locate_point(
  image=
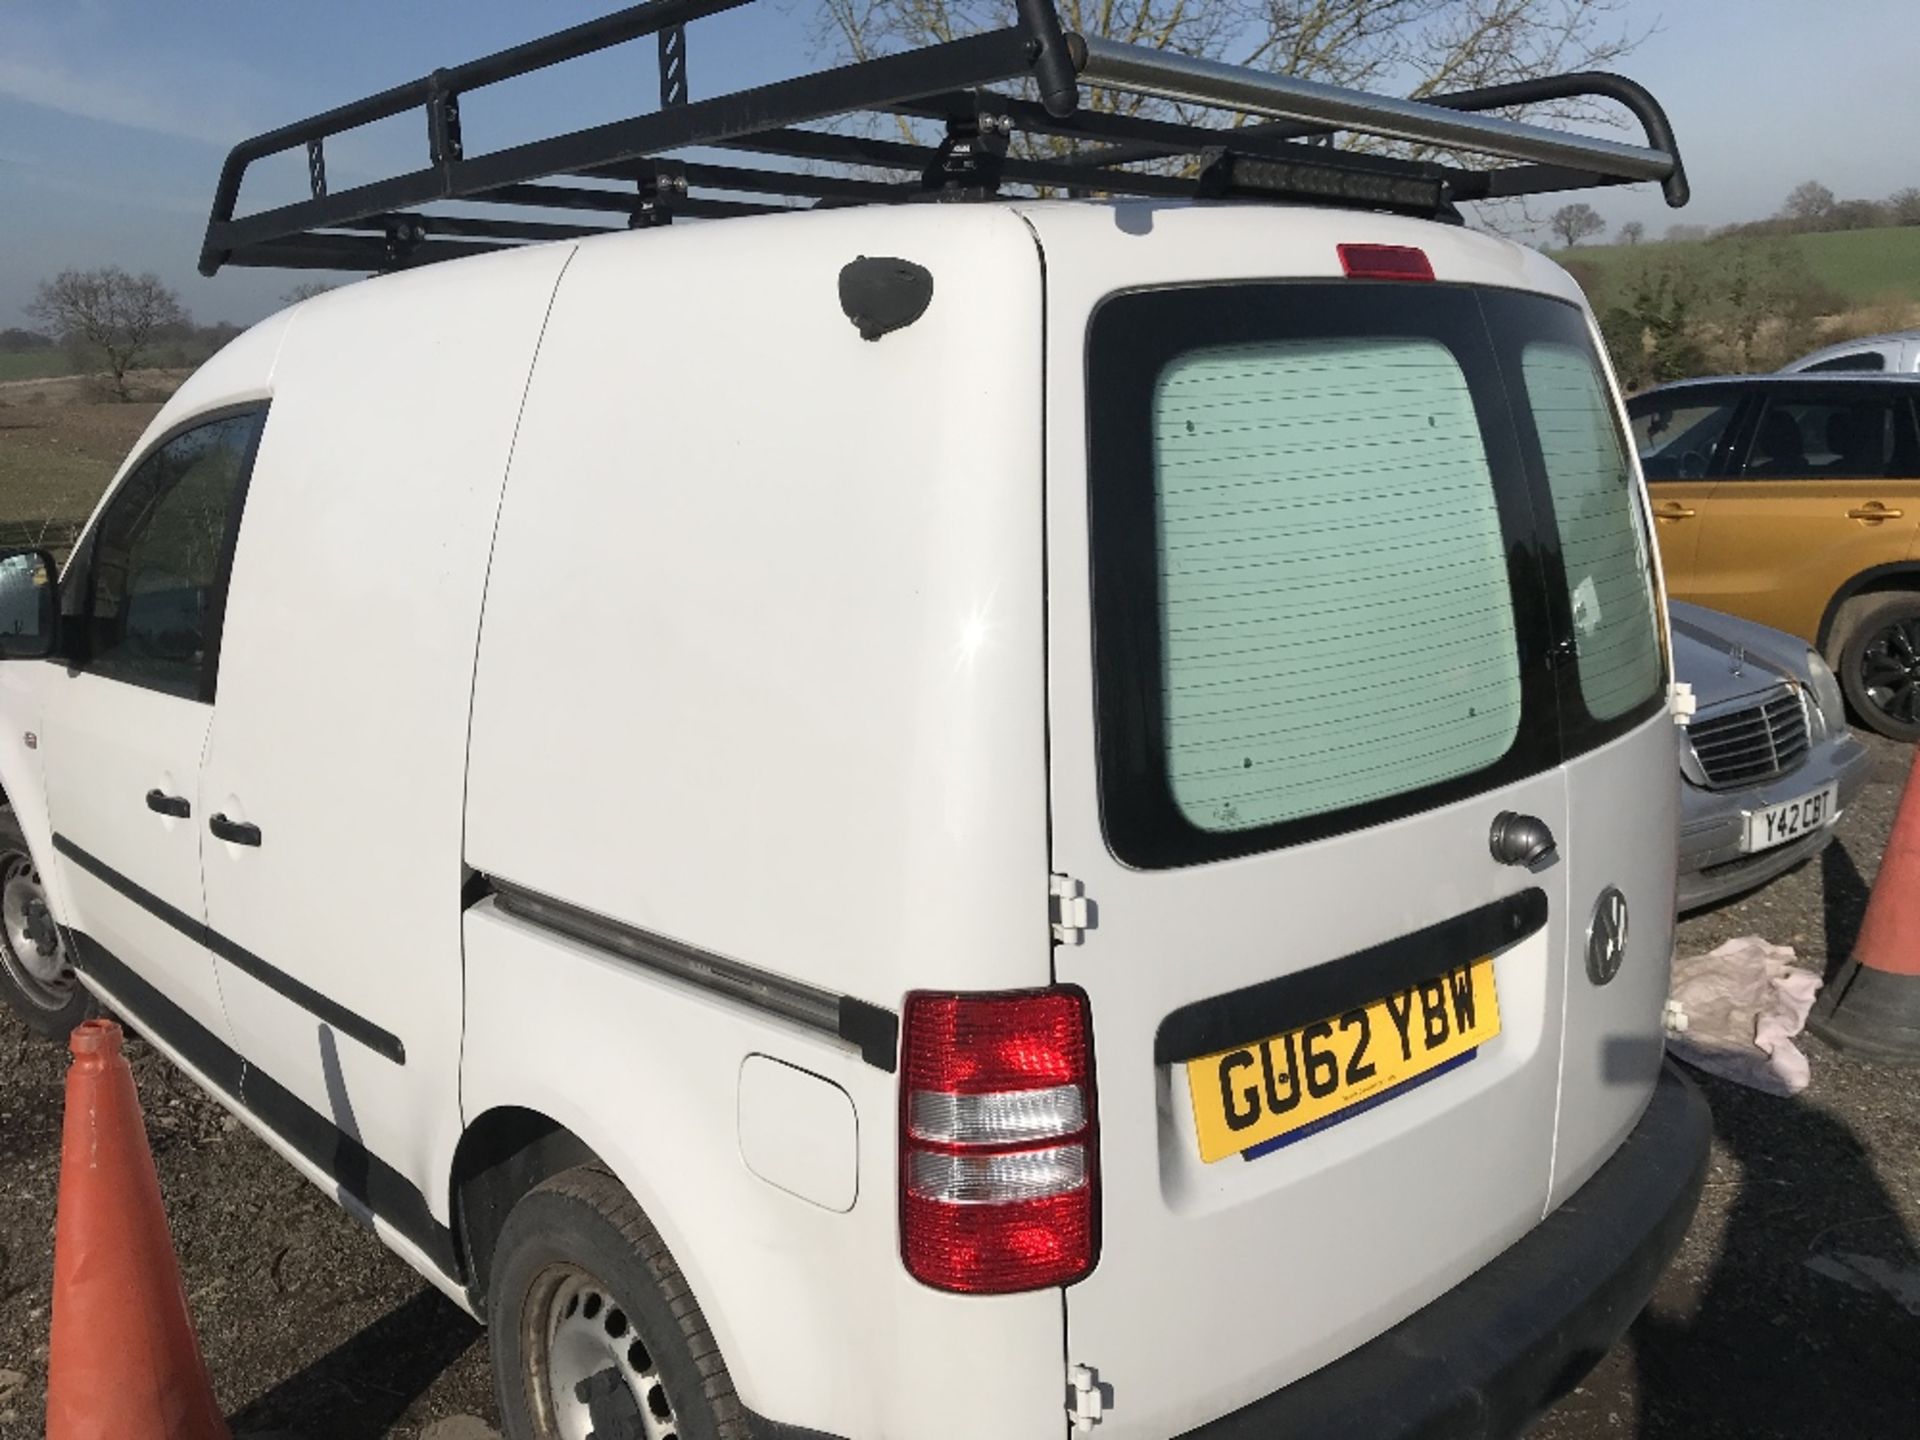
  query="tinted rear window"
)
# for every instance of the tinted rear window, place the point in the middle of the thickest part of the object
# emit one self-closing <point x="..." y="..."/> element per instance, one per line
<point x="1603" y="545"/>
<point x="1313" y="493"/>
<point x="1326" y="586"/>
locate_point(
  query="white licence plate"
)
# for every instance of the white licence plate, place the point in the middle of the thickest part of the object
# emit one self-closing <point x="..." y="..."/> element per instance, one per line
<point x="1777" y="824"/>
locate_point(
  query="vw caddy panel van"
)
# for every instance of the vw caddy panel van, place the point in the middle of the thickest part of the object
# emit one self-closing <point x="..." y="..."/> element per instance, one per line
<point x="920" y="820"/>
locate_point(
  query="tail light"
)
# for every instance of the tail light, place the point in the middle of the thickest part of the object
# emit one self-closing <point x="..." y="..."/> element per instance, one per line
<point x="1385" y="262"/>
<point x="998" y="1168"/>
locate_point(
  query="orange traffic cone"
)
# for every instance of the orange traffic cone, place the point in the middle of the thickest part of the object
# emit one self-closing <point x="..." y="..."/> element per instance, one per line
<point x="1872" y="1008"/>
<point x="124" y="1363"/>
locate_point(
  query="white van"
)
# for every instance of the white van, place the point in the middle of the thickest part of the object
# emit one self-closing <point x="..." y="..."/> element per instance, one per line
<point x="920" y="820"/>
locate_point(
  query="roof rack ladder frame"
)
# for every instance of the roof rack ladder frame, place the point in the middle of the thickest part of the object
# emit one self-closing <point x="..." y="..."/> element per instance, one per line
<point x="1185" y="78"/>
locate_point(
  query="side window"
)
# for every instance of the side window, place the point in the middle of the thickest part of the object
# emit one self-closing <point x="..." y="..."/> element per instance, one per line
<point x="1859" y="360"/>
<point x="1678" y="439"/>
<point x="1864" y="436"/>
<point x="158" y="556"/>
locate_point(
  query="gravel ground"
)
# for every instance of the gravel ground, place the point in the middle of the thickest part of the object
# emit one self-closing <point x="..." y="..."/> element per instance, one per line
<point x="1792" y="1311"/>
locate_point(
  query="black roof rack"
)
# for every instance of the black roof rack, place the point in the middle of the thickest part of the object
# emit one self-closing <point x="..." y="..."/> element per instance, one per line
<point x="1288" y="157"/>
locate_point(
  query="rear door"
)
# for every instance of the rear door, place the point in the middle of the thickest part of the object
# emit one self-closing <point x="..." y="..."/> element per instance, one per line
<point x="1318" y="665"/>
<point x="1683" y="437"/>
<point x="1827" y="488"/>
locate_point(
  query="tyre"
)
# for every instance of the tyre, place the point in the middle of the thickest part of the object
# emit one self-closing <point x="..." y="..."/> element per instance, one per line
<point x="594" y="1330"/>
<point x="1877" y="656"/>
<point x="36" y="973"/>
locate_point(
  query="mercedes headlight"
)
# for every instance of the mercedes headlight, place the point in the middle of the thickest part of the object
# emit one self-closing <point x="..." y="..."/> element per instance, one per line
<point x="1826" y="694"/>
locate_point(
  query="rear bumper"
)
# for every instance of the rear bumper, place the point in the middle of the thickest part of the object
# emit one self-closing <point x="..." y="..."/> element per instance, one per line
<point x="1490" y="1354"/>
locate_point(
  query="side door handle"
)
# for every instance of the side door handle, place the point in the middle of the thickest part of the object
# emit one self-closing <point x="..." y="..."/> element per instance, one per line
<point x="234" y="831"/>
<point x="1873" y="511"/>
<point x="1674" y="510"/>
<point x="163" y="804"/>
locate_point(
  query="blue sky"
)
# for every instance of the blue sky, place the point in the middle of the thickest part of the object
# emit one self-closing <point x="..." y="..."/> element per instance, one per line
<point x="115" y="114"/>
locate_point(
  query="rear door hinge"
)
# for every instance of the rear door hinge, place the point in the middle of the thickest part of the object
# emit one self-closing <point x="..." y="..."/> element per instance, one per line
<point x="1071" y="911"/>
<point x="1086" y="1397"/>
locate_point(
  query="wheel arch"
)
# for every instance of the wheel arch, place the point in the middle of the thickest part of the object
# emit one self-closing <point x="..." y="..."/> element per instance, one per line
<point x="501" y="1156"/>
<point x="1896" y="576"/>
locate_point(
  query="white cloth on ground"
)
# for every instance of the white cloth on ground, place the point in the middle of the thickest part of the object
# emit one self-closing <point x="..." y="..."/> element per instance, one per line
<point x="1734" y="1013"/>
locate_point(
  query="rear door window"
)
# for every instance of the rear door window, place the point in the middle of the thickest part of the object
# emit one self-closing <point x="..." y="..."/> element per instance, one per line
<point x="1358" y="550"/>
<point x="1318" y="601"/>
<point x="1325" y="504"/>
<point x="1604" y="557"/>
<point x="1855" y="433"/>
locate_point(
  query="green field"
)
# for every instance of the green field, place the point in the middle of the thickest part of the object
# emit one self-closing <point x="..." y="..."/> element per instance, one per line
<point x="54" y="461"/>
<point x="1858" y="265"/>
<point x="34" y="364"/>
<point x="1866" y="264"/>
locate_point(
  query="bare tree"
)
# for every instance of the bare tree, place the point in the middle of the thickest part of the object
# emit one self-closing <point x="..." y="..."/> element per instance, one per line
<point x="1809" y="202"/>
<point x="1904" y="206"/>
<point x="1631" y="233"/>
<point x="305" y="290"/>
<point x="109" y="315"/>
<point x="1420" y="47"/>
<point x="1574" y="223"/>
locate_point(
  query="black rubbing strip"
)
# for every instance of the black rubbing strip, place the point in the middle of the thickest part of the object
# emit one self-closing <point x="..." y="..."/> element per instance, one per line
<point x="152" y="1011"/>
<point x="193" y="929"/>
<point x="382" y="1042"/>
<point x="871" y="1029"/>
<point x="361" y="1173"/>
<point x="874" y="1030"/>
<point x="1275" y="1006"/>
<point x="364" y="1176"/>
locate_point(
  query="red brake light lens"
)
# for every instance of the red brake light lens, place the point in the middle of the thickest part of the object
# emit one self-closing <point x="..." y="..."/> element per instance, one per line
<point x="985" y="1044"/>
<point x="1385" y="262"/>
<point x="997" y="1154"/>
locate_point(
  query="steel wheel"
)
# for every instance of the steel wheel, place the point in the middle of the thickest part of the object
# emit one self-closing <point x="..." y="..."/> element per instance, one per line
<point x="589" y="1375"/>
<point x="595" y="1332"/>
<point x="31" y="950"/>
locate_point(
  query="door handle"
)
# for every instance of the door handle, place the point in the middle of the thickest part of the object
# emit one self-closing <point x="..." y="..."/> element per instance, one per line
<point x="1674" y="510"/>
<point x="1872" y="511"/>
<point x="163" y="804"/>
<point x="234" y="831"/>
<point x="1518" y="839"/>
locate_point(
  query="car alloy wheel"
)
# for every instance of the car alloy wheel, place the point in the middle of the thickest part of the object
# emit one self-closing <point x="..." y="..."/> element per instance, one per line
<point x="1890" y="669"/>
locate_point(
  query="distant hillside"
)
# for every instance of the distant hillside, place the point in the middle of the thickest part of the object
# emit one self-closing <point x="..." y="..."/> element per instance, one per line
<point x="34" y="364"/>
<point x="1857" y="265"/>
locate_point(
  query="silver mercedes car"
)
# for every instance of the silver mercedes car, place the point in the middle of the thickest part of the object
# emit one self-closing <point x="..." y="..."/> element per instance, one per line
<point x="1767" y="763"/>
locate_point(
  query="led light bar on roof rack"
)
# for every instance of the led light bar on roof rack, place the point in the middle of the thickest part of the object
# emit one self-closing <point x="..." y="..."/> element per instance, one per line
<point x="979" y="87"/>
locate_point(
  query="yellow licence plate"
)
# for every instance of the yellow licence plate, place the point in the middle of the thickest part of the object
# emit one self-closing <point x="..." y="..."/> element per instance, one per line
<point x="1264" y="1095"/>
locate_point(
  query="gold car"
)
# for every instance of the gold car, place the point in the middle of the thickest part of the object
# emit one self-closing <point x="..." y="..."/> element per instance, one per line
<point x="1794" y="500"/>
